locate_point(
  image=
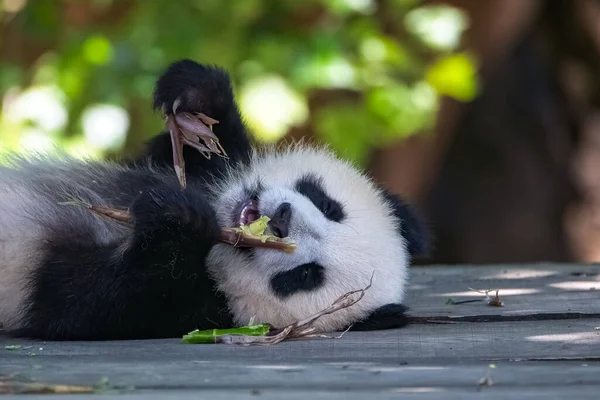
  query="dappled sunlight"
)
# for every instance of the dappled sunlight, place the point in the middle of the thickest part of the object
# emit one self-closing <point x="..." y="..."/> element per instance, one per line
<point x="407" y="368"/>
<point x="36" y="141"/>
<point x="80" y="148"/>
<point x="576" y="285"/>
<point x="417" y="286"/>
<point x="363" y="6"/>
<point x="271" y="107"/>
<point x="277" y="367"/>
<point x="424" y="389"/>
<point x="351" y="363"/>
<point x="439" y="26"/>
<point x="42" y="105"/>
<point x="520" y="274"/>
<point x="105" y="126"/>
<point x="502" y="292"/>
<point x="573" y="338"/>
<point x="13" y="6"/>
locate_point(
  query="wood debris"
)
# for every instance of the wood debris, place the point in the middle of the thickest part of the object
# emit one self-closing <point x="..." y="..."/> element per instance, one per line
<point x="491" y="301"/>
<point x="39" y="388"/>
<point x="486" y="381"/>
<point x="20" y="385"/>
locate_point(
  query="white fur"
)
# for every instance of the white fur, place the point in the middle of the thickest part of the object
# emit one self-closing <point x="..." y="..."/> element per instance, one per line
<point x="366" y="243"/>
<point x="19" y="237"/>
<point x="30" y="192"/>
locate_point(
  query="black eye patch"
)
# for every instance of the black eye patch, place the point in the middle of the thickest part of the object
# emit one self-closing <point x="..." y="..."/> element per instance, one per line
<point x="303" y="278"/>
<point x="312" y="188"/>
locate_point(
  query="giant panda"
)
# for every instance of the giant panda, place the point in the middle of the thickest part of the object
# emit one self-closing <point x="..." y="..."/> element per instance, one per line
<point x="68" y="274"/>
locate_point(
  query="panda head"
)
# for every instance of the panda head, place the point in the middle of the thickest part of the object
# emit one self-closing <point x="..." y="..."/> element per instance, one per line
<point x="348" y="232"/>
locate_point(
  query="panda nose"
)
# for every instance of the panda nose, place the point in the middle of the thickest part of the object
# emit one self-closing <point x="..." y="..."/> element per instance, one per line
<point x="280" y="222"/>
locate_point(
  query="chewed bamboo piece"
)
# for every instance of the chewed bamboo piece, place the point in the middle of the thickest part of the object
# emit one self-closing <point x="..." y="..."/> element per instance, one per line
<point x="235" y="237"/>
<point x="239" y="239"/>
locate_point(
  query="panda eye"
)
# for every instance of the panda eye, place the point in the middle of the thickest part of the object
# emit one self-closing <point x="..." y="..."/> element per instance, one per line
<point x="312" y="188"/>
<point x="332" y="210"/>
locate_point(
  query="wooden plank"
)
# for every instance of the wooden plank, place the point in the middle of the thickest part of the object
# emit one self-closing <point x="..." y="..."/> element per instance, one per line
<point x="534" y="290"/>
<point x="369" y="379"/>
<point x="430" y="352"/>
<point x="541" y="358"/>
<point x="427" y="393"/>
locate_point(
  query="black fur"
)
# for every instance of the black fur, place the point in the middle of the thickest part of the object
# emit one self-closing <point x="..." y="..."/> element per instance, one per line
<point x="152" y="285"/>
<point x="412" y="226"/>
<point x="389" y="316"/>
<point x="312" y="188"/>
<point x="206" y="89"/>
<point x="280" y="222"/>
<point x="303" y="278"/>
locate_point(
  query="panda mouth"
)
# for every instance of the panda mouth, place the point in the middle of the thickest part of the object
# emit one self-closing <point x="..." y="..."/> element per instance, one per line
<point x="248" y="212"/>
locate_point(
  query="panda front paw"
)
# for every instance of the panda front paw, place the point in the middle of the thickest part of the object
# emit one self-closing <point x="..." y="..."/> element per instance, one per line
<point x="168" y="219"/>
<point x="187" y="86"/>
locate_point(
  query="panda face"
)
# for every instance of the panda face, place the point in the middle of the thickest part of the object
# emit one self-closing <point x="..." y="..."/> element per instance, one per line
<point x="344" y="229"/>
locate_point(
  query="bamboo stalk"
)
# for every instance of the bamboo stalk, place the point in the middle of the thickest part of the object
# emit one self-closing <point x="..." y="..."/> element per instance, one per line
<point x="226" y="235"/>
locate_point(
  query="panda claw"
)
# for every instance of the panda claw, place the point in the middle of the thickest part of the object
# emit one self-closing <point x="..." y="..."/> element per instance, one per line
<point x="176" y="105"/>
<point x="177" y="145"/>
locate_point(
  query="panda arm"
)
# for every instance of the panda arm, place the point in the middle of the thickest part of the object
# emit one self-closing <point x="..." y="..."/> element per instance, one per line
<point x="197" y="88"/>
<point x="153" y="285"/>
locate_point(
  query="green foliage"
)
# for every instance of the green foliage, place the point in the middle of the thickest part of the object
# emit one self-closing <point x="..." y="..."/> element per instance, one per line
<point x="453" y="76"/>
<point x="381" y="65"/>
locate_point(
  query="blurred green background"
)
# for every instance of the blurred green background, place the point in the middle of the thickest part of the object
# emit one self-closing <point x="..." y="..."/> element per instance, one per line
<point x="482" y="113"/>
<point x="79" y="75"/>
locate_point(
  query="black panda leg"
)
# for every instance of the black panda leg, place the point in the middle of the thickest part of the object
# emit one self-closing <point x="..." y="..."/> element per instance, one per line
<point x="390" y="316"/>
<point x="189" y="87"/>
<point x="153" y="285"/>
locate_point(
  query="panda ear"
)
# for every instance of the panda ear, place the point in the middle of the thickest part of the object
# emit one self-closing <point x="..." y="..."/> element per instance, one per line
<point x="411" y="225"/>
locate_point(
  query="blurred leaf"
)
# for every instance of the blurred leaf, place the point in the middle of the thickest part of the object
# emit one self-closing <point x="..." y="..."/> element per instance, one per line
<point x="11" y="76"/>
<point x="271" y="107"/>
<point x="402" y="110"/>
<point x="278" y="53"/>
<point x="439" y="26"/>
<point x="454" y="76"/>
<point x="97" y="50"/>
<point x="351" y="6"/>
<point x="349" y="129"/>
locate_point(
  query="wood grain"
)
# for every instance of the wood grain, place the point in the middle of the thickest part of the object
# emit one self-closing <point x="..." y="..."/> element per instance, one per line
<point x="533" y="290"/>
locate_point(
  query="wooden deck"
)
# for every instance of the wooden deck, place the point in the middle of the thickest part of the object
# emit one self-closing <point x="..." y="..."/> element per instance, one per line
<point x="543" y="344"/>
